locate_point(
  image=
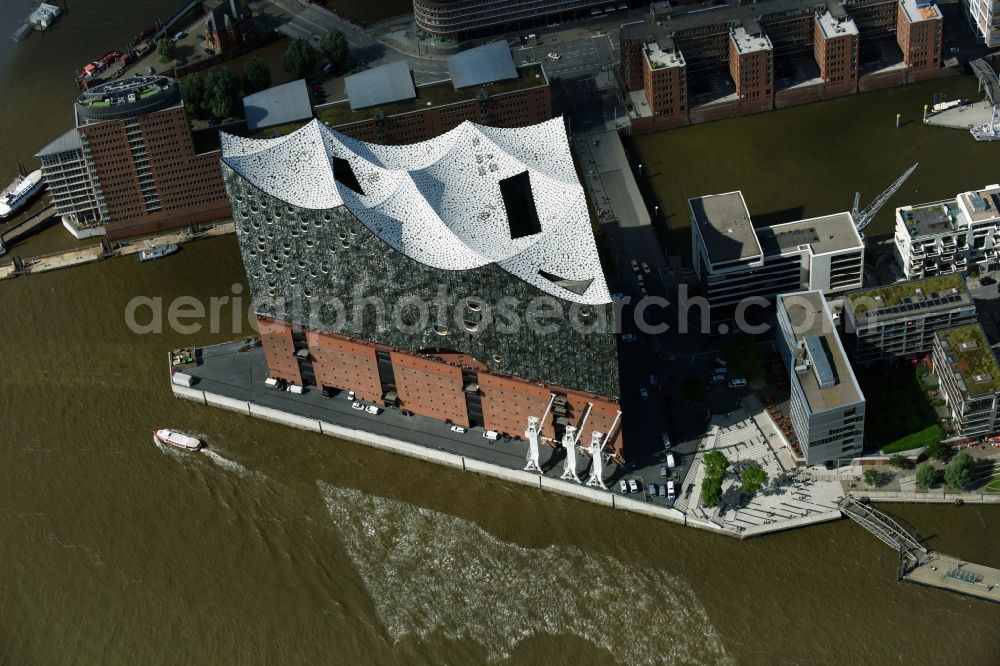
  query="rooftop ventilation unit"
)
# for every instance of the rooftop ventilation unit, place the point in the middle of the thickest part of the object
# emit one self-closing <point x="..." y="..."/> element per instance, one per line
<point x="820" y="361"/>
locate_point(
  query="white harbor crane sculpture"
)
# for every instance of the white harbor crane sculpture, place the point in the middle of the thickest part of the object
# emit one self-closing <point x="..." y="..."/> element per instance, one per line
<point x="596" y="450"/>
<point x="531" y="433"/>
<point x="863" y="217"/>
<point x="570" y="438"/>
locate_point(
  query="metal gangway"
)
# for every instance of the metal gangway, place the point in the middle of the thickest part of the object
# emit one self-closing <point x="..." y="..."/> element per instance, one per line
<point x="885" y="528"/>
<point x="989" y="82"/>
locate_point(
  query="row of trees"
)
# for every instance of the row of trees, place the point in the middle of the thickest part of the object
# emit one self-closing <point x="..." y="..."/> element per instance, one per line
<point x="752" y="478"/>
<point x="957" y="474"/>
<point x="300" y="59"/>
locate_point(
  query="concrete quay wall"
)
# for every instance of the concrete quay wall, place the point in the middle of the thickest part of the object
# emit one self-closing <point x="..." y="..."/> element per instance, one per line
<point x="466" y="464"/>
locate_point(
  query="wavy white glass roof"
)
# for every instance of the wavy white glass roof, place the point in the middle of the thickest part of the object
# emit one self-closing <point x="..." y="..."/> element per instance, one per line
<point x="439" y="202"/>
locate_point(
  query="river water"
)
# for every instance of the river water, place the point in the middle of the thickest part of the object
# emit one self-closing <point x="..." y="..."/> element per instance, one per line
<point x="280" y="546"/>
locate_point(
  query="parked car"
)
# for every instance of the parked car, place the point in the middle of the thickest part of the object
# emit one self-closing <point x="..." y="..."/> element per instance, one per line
<point x="372" y="409"/>
<point x="617" y="296"/>
<point x="671" y="461"/>
<point x="720" y="361"/>
<point x="645" y="268"/>
<point x="491" y="435"/>
<point x="457" y="428"/>
<point x="644" y="394"/>
<point x="628" y="337"/>
<point x="358" y="406"/>
<point x="179" y="36"/>
<point x="663" y="471"/>
<point x="623" y="484"/>
<point x="717" y="379"/>
<point x="642" y="290"/>
<point x="954" y="49"/>
<point x="651" y="490"/>
<point x="663" y="490"/>
<point x="671" y="496"/>
<point x="633" y="486"/>
<point x="553" y="56"/>
<point x="665" y="440"/>
<point x="737" y="382"/>
<point x="639" y="279"/>
<point x="327" y="68"/>
<point x="350" y="395"/>
<point x="635" y="265"/>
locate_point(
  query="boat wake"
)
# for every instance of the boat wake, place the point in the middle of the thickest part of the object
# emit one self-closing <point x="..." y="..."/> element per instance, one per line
<point x="226" y="463"/>
<point x="432" y="573"/>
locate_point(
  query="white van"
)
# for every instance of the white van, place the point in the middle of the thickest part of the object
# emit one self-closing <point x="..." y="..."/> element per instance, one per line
<point x="670" y="491"/>
<point x="296" y="389"/>
<point x="671" y="463"/>
<point x="491" y="435"/>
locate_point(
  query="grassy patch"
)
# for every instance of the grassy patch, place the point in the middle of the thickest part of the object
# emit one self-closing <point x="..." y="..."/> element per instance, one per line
<point x="896" y="405"/>
<point x="925" y="437"/>
<point x="993" y="486"/>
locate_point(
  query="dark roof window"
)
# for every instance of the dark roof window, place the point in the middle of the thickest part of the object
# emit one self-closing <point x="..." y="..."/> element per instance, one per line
<point x="578" y="287"/>
<point x="343" y="173"/>
<point x="520" y="206"/>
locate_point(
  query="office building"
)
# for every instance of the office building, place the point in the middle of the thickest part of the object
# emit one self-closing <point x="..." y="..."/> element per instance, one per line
<point x="969" y="376"/>
<point x="954" y="235"/>
<point x="899" y="321"/>
<point x="130" y="166"/>
<point x="984" y="19"/>
<point x="227" y="25"/>
<point x="412" y="275"/>
<point x="735" y="262"/>
<point x="455" y="21"/>
<point x="826" y="404"/>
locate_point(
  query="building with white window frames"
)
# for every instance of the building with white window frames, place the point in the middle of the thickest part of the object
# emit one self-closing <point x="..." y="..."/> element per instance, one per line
<point x="900" y="320"/>
<point x="984" y="19"/>
<point x="970" y="379"/>
<point x="954" y="235"/>
<point x="734" y="261"/>
<point x="826" y="403"/>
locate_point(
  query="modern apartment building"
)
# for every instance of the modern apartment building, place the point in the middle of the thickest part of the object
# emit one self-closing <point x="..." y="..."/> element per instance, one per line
<point x="130" y="165"/>
<point x="826" y="404"/>
<point x="734" y="261"/>
<point x="454" y="21"/>
<point x="742" y="57"/>
<point x="473" y="228"/>
<point x="900" y="320"/>
<point x="954" y="235"/>
<point x="984" y="19"/>
<point x="969" y="376"/>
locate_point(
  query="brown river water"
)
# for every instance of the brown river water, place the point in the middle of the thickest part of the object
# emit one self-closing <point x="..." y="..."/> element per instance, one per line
<point x="280" y="546"/>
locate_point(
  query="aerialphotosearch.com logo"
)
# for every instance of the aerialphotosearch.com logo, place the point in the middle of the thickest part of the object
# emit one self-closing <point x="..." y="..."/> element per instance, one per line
<point x="449" y="314"/>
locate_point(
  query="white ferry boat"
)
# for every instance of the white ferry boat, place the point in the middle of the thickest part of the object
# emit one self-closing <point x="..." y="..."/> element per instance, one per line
<point x="177" y="440"/>
<point x="158" y="251"/>
<point x="20" y="193"/>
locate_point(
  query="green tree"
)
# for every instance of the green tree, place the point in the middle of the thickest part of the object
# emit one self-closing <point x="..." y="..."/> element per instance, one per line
<point x="897" y="461"/>
<point x="715" y="465"/>
<point x="873" y="477"/>
<point x="693" y="389"/>
<point x="925" y="476"/>
<point x="193" y="90"/>
<point x="334" y="46"/>
<point x="256" y="75"/>
<point x="166" y="48"/>
<point x="711" y="492"/>
<point x="937" y="450"/>
<point x="743" y="358"/>
<point x="959" y="471"/>
<point x="299" y="59"/>
<point x="222" y="87"/>
<point x="753" y="479"/>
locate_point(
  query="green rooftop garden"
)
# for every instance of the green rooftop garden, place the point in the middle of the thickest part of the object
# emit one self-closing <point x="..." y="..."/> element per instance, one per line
<point x="977" y="360"/>
<point x="894" y="294"/>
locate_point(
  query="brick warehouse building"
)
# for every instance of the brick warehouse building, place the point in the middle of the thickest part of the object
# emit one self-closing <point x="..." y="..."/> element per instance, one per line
<point x="494" y="219"/>
<point x="130" y="164"/>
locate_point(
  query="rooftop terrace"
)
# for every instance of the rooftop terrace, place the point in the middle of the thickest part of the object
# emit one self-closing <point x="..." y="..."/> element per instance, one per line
<point x="931" y="219"/>
<point x="981" y="205"/>
<point x="658" y="58"/>
<point x="972" y="360"/>
<point x="813" y="326"/>
<point x="943" y="292"/>
<point x="836" y="26"/>
<point x="921" y="10"/>
<point x="747" y="42"/>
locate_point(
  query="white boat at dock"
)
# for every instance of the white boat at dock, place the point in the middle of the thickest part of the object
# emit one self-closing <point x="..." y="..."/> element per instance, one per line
<point x="20" y="193"/>
<point x="158" y="251"/>
<point x="177" y="439"/>
<point x="44" y="16"/>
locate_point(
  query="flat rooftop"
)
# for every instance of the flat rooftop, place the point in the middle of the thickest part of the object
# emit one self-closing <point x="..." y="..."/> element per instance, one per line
<point x="931" y="219"/>
<point x="829" y="233"/>
<point x="982" y="205"/>
<point x="810" y="318"/>
<point x="910" y="299"/>
<point x="836" y="26"/>
<point x="747" y="42"/>
<point x="658" y="58"/>
<point x="972" y="360"/>
<point x="921" y="10"/>
<point x="724" y="224"/>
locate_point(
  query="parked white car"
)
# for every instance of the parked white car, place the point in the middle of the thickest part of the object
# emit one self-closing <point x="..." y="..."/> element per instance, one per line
<point x="645" y="268"/>
<point x="670" y="491"/>
<point x="635" y="265"/>
<point x="623" y="484"/>
<point x="554" y="56"/>
<point x="737" y="382"/>
<point x="358" y="406"/>
<point x="372" y="409"/>
<point x="457" y="428"/>
<point x="633" y="486"/>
